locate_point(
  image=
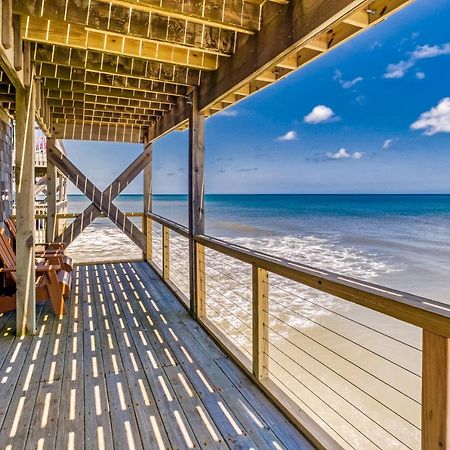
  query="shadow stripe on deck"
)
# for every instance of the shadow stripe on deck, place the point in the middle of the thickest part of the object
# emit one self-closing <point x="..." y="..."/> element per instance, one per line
<point x="128" y="368"/>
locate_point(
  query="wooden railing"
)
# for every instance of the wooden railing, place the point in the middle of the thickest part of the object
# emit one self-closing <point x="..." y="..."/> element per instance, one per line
<point x="351" y="363"/>
<point x="373" y="372"/>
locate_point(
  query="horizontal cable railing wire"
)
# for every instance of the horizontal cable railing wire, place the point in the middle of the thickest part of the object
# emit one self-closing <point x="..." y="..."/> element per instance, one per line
<point x="179" y="262"/>
<point x="228" y="300"/>
<point x="157" y="245"/>
<point x="346" y="351"/>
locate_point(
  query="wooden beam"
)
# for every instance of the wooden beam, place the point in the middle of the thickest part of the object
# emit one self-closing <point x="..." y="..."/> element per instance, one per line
<point x="239" y="15"/>
<point x="93" y="119"/>
<point x="116" y="64"/>
<point x="7" y="30"/>
<point x="96" y="196"/>
<point x="115" y="81"/>
<point x="107" y="104"/>
<point x="146" y="113"/>
<point x="435" y="391"/>
<point x="25" y="152"/>
<point x="126" y="23"/>
<point x="285" y="31"/>
<point x="17" y="48"/>
<point x="108" y="196"/>
<point x="51" y="227"/>
<point x="70" y="35"/>
<point x="196" y="196"/>
<point x="149" y="18"/>
<point x="166" y="252"/>
<point x="70" y="90"/>
<point x="98" y="132"/>
<point x="148" y="202"/>
<point x="260" y="317"/>
<point x="48" y="71"/>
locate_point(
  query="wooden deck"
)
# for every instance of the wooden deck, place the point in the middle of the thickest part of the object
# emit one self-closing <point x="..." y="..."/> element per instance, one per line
<point x="128" y="368"/>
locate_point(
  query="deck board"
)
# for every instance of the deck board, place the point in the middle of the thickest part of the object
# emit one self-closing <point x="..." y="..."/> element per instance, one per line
<point x="127" y="367"/>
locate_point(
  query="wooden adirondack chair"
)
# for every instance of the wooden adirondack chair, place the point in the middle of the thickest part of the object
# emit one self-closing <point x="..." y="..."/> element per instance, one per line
<point x="53" y="253"/>
<point x="52" y="283"/>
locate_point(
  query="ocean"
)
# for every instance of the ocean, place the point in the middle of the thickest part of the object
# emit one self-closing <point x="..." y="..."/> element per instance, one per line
<point x="356" y="372"/>
<point x="402" y="241"/>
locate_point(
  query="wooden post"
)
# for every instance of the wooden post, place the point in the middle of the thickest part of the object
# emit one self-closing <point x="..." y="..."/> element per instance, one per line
<point x="166" y="252"/>
<point x="148" y="203"/>
<point x="25" y="153"/>
<point x="196" y="197"/>
<point x="52" y="178"/>
<point x="435" y="391"/>
<point x="7" y="30"/>
<point x="260" y="302"/>
<point x="200" y="280"/>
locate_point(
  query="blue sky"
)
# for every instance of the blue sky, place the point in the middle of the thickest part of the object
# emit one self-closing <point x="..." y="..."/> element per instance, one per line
<point x="372" y="116"/>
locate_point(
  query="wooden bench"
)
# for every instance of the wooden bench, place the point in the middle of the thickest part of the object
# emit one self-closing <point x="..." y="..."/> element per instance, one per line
<point x="52" y="282"/>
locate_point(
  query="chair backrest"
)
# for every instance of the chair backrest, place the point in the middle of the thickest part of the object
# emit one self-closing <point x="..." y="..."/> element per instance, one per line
<point x="11" y="225"/>
<point x="7" y="254"/>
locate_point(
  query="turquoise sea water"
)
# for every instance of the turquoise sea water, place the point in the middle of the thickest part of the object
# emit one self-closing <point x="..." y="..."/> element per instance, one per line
<point x="402" y="241"/>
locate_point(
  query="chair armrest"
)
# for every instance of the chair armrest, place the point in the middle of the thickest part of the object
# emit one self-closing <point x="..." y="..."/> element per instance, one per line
<point x="44" y="269"/>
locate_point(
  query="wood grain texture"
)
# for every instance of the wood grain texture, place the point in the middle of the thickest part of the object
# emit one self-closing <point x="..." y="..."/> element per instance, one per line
<point x="121" y="370"/>
<point x="24" y="176"/>
<point x="435" y="391"/>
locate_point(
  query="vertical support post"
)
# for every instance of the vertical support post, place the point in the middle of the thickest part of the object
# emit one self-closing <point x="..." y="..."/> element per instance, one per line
<point x="200" y="280"/>
<point x="7" y="30"/>
<point x="147" y="225"/>
<point x="52" y="179"/>
<point x="435" y="391"/>
<point x="166" y="252"/>
<point x="260" y="318"/>
<point x="25" y="153"/>
<point x="196" y="198"/>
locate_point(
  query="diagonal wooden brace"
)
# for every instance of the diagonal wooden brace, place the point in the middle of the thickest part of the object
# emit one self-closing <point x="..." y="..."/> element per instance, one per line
<point x="109" y="194"/>
<point x="101" y="200"/>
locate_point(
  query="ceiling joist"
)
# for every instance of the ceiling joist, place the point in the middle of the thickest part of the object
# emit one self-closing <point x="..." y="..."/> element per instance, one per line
<point x="115" y="64"/>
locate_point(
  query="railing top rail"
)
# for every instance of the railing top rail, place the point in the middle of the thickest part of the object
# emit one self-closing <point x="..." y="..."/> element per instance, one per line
<point x="413" y="309"/>
<point x="184" y="231"/>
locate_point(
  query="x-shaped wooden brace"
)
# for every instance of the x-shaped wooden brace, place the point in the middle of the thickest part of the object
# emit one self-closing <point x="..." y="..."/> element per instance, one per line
<point x="101" y="200"/>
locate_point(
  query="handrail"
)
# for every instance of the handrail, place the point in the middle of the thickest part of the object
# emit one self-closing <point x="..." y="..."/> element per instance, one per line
<point x="75" y="215"/>
<point x="409" y="308"/>
<point x="174" y="226"/>
<point x="419" y="311"/>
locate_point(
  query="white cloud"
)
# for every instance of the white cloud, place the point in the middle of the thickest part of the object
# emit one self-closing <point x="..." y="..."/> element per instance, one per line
<point x="399" y="69"/>
<point x="420" y="75"/>
<point x="343" y="153"/>
<point x="387" y="143"/>
<point x="319" y="114"/>
<point x="346" y="84"/>
<point x="436" y="120"/>
<point x="289" y="136"/>
<point x="228" y="113"/>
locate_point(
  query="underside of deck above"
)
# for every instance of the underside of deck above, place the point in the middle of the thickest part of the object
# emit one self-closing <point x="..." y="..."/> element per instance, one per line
<point x="123" y="70"/>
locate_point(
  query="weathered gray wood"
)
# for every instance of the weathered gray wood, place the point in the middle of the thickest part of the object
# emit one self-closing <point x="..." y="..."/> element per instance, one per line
<point x="51" y="230"/>
<point x="108" y="195"/>
<point x="98" y="198"/>
<point x="435" y="391"/>
<point x="7" y="31"/>
<point x="196" y="196"/>
<point x="148" y="202"/>
<point x="25" y="154"/>
<point x="260" y="317"/>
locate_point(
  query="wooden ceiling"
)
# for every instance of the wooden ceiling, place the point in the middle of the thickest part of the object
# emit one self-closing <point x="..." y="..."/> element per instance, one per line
<point x="121" y="69"/>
